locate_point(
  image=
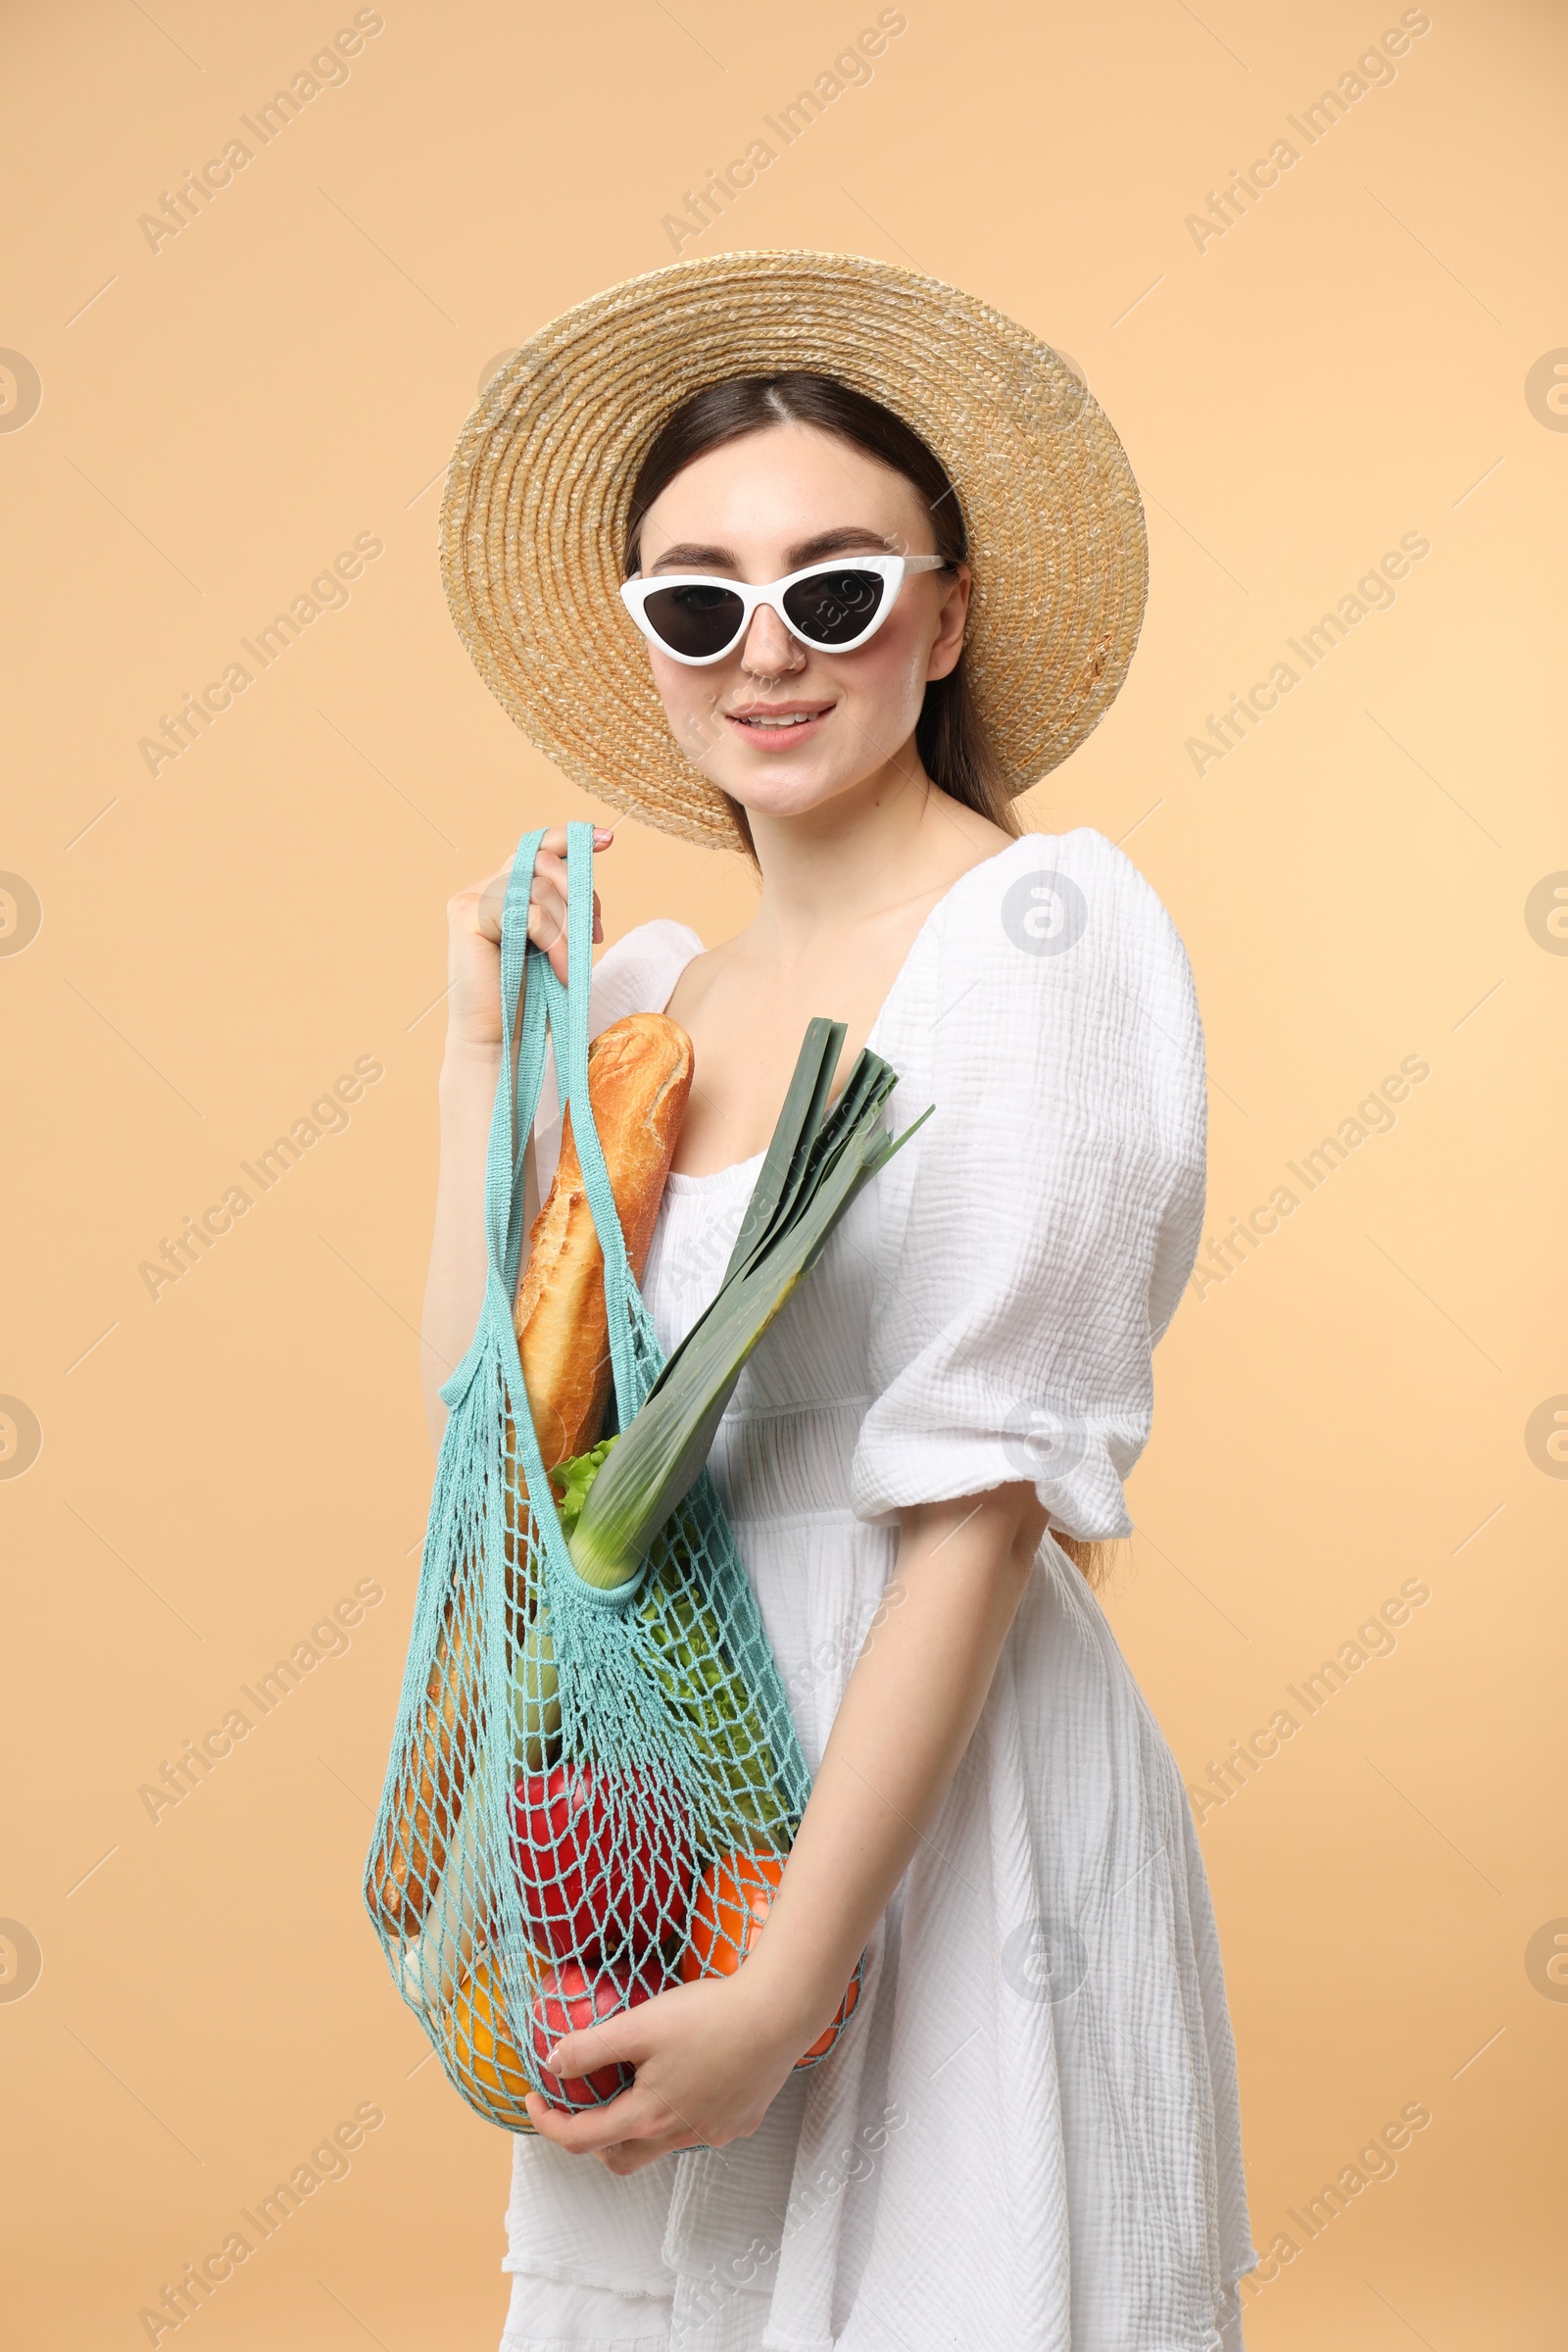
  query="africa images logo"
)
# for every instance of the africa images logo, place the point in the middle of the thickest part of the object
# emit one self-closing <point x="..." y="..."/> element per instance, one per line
<point x="1045" y="913"/>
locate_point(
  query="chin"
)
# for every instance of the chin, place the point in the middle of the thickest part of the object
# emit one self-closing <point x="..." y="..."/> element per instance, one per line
<point x="812" y="786"/>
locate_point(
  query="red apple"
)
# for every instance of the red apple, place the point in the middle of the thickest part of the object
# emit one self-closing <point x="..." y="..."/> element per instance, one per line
<point x="604" y="1861"/>
<point x="569" y="1999"/>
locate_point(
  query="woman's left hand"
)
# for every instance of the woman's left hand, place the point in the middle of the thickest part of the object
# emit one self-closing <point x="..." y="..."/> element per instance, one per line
<point x="710" y="2057"/>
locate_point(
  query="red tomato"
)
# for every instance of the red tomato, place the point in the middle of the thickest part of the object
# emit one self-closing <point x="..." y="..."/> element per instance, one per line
<point x="604" y="1861"/>
<point x="729" y="1914"/>
<point x="568" y="2000"/>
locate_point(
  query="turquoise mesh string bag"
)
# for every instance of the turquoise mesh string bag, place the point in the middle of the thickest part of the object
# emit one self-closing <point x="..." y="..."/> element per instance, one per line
<point x="591" y="1792"/>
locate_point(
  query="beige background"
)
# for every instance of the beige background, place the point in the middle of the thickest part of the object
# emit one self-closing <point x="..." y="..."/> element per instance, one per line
<point x="1349" y="1410"/>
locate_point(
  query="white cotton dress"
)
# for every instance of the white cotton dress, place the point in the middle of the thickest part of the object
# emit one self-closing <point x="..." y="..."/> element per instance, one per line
<point x="1027" y="2137"/>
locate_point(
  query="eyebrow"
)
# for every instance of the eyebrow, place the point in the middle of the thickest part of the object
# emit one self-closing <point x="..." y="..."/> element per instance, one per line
<point x="691" y="555"/>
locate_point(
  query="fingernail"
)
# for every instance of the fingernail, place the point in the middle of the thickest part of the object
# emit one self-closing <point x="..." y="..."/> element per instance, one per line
<point x="552" y="2055"/>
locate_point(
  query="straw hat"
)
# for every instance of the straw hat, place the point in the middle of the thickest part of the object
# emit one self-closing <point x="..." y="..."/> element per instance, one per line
<point x="533" y="521"/>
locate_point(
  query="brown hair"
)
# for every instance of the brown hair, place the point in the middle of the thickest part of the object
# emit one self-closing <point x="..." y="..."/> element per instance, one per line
<point x="950" y="734"/>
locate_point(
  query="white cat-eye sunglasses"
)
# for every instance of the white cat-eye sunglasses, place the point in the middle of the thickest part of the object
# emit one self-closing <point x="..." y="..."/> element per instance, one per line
<point x="833" y="606"/>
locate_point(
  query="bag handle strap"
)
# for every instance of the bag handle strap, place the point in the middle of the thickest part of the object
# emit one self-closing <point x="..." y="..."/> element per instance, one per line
<point x="535" y="1008"/>
<point x="518" y="1083"/>
<point x="523" y="1017"/>
<point x="572" y="1053"/>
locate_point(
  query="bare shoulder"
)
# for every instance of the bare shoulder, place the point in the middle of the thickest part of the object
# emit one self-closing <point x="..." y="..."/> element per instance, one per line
<point x="960" y="837"/>
<point x="637" y="971"/>
<point x="700" y="977"/>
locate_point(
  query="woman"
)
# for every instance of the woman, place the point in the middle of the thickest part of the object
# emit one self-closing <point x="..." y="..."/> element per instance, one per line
<point x="1027" y="2135"/>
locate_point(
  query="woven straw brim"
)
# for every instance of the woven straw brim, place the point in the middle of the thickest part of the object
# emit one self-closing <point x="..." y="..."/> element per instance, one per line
<point x="534" y="517"/>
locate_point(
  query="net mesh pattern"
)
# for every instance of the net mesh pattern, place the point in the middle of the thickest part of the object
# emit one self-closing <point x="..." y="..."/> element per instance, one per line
<point x="591" y="1793"/>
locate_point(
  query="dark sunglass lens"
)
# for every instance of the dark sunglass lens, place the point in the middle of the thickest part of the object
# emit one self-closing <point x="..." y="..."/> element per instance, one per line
<point x="699" y="619"/>
<point x="834" y="608"/>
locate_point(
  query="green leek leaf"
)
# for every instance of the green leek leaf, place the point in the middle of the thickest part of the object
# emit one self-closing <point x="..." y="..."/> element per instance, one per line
<point x="812" y="1171"/>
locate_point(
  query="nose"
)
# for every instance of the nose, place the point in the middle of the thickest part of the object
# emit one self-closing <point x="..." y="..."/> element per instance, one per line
<point x="769" y="651"/>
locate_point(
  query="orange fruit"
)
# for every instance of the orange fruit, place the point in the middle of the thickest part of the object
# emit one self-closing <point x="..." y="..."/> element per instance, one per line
<point x="846" y="2010"/>
<point x="730" y="1912"/>
<point x="733" y="1899"/>
<point x="483" y="2049"/>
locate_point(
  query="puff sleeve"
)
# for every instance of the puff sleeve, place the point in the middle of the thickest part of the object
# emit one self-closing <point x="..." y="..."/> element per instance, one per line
<point x="1048" y="1214"/>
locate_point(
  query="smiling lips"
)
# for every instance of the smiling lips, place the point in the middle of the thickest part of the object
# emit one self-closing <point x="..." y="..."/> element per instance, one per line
<point x="778" y="723"/>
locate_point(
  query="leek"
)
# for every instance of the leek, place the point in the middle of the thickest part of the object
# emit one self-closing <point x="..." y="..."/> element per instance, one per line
<point x="613" y="1500"/>
<point x="813" y="1168"/>
<point x="536" y="1687"/>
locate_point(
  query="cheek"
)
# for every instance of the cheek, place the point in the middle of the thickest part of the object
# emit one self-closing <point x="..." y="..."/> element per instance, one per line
<point x="691" y="698"/>
<point x="891" y="671"/>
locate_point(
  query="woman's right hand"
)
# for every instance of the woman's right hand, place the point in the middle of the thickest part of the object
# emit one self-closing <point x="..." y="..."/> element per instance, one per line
<point x="473" y="950"/>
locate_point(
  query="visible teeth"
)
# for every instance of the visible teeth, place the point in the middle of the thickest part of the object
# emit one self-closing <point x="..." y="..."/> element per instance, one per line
<point x="796" y="719"/>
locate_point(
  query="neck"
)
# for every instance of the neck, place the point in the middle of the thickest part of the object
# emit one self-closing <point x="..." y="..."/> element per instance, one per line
<point x="828" y="868"/>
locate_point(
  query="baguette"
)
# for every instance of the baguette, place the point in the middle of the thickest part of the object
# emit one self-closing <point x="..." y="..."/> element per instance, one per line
<point x="639" y="1077"/>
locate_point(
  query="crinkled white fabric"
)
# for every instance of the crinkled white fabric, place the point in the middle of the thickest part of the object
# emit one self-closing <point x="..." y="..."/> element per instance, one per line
<point x="1028" y="2136"/>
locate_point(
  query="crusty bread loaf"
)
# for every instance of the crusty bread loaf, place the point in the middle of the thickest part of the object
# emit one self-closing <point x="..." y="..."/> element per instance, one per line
<point x="639" y="1076"/>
